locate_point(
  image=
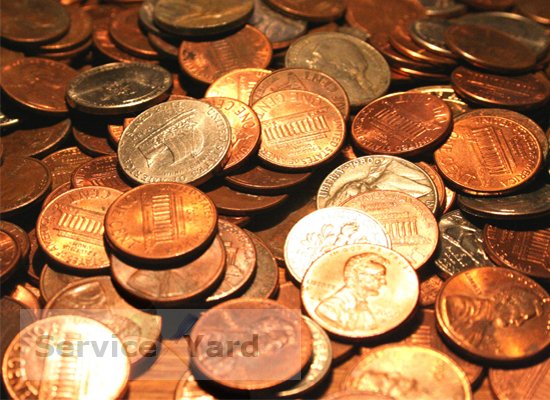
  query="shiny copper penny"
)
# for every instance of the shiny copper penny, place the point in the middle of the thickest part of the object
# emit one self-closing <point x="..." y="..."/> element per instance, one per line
<point x="161" y="222"/>
<point x="126" y="34"/>
<point x="53" y="281"/>
<point x="403" y="124"/>
<point x="177" y="285"/>
<point x="351" y="291"/>
<point x="494" y="314"/>
<point x="97" y="298"/>
<point x="311" y="10"/>
<point x="30" y="368"/>
<point x="38" y="84"/>
<point x="188" y="388"/>
<point x="27" y="298"/>
<point x="101" y="171"/>
<point x="70" y="228"/>
<point x="439" y="184"/>
<point x="266" y="278"/>
<point x="409" y="372"/>
<point x="410" y="225"/>
<point x="56" y="192"/>
<point x="62" y="164"/>
<point x="448" y="95"/>
<point x="503" y="154"/>
<point x="207" y="61"/>
<point x="260" y="180"/>
<point x="245" y="129"/>
<point x="522" y="383"/>
<point x="299" y="129"/>
<point x="25" y="181"/>
<point x="239" y="221"/>
<point x="10" y="255"/>
<point x="282" y="339"/>
<point x="237" y="84"/>
<point x="523" y="248"/>
<point x="506" y="54"/>
<point x="20" y="236"/>
<point x="80" y="31"/>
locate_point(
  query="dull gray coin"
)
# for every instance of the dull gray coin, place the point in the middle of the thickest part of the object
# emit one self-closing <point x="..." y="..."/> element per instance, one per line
<point x="430" y="34"/>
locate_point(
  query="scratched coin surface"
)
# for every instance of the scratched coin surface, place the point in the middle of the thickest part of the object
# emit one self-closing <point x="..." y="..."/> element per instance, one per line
<point x="63" y="163"/>
<point x="379" y="172"/>
<point x="70" y="228"/>
<point x="30" y="367"/>
<point x="100" y="171"/>
<point x="10" y="253"/>
<point x="495" y="314"/>
<point x="177" y="141"/>
<point x="237" y="84"/>
<point x="409" y="224"/>
<point x="325" y="230"/>
<point x="394" y="370"/>
<point x="521" y="383"/>
<point x="357" y="66"/>
<point x="299" y="129"/>
<point x="119" y="88"/>
<point x="356" y="291"/>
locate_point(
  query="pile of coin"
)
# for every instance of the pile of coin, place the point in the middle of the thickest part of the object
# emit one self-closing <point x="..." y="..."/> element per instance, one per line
<point x="273" y="199"/>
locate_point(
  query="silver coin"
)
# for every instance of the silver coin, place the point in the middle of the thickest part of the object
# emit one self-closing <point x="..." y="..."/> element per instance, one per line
<point x="520" y="28"/>
<point x="326" y="229"/>
<point x="119" y="88"/>
<point x="146" y="12"/>
<point x="277" y="27"/>
<point x="460" y="245"/>
<point x="430" y="33"/>
<point x="448" y="95"/>
<point x="178" y="141"/>
<point x="443" y="8"/>
<point x="377" y="172"/>
<point x="360" y="68"/>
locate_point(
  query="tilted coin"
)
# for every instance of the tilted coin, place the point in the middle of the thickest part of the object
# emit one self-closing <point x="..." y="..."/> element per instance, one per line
<point x="10" y="255"/>
<point x="119" y="88"/>
<point x="430" y="34"/>
<point x="14" y="316"/>
<point x="53" y="281"/>
<point x="260" y="180"/>
<point x="177" y="141"/>
<point x="325" y="230"/>
<point x="62" y="164"/>
<point x="107" y="48"/>
<point x="188" y="389"/>
<point x="20" y="236"/>
<point x="439" y="184"/>
<point x="161" y="222"/>
<point x="522" y="383"/>
<point x="448" y="95"/>
<point x="377" y="172"/>
<point x="536" y="10"/>
<point x="127" y="34"/>
<point x="70" y="228"/>
<point x="28" y="296"/>
<point x="266" y="279"/>
<point x="237" y="84"/>
<point x="311" y="10"/>
<point x="489" y="4"/>
<point x="356" y="65"/>
<point x="91" y="136"/>
<point x="352" y="291"/>
<point x="100" y="171"/>
<point x="495" y="314"/>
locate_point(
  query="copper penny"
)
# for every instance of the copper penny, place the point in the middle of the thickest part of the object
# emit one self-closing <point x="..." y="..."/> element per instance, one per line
<point x="188" y="388"/>
<point x="409" y="372"/>
<point x="299" y="129"/>
<point x="70" y="55"/>
<point x="282" y="339"/>
<point x="7" y="56"/>
<point x="237" y="84"/>
<point x="161" y="222"/>
<point x="38" y="84"/>
<point x="537" y="10"/>
<point x="448" y="95"/>
<point x="10" y="255"/>
<point x="14" y="316"/>
<point x="106" y="47"/>
<point x="490" y="5"/>
<point x="310" y="10"/>
<point x="516" y="92"/>
<point x="63" y="163"/>
<point x="423" y="76"/>
<point x="356" y="395"/>
<point x="207" y="61"/>
<point x="37" y="259"/>
<point x="266" y="279"/>
<point x="20" y="236"/>
<point x="91" y="137"/>
<point x="126" y="33"/>
<point x="65" y="187"/>
<point x="439" y="184"/>
<point x="115" y="132"/>
<point x="101" y="171"/>
<point x="239" y="221"/>
<point x="25" y="181"/>
<point x="33" y="366"/>
<point x="489" y="48"/>
<point x="27" y="298"/>
<point x="53" y="281"/>
<point x="245" y="129"/>
<point x="503" y="154"/>
<point x="70" y="228"/>
<point x="429" y="289"/>
<point x="80" y="31"/>
<point x="260" y="180"/>
<point x="97" y="298"/>
<point x="403" y="124"/>
<point x="494" y="314"/>
<point x="410" y="225"/>
<point x="352" y="290"/>
<point x="523" y="248"/>
<point x="177" y="285"/>
<point x="522" y="383"/>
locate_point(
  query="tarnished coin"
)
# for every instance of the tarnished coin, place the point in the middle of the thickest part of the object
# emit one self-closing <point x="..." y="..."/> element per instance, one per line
<point x="266" y="333"/>
<point x="490" y="4"/>
<point x="199" y="17"/>
<point x="119" y="88"/>
<point x="80" y="32"/>
<point x="300" y="129"/>
<point x="14" y="316"/>
<point x="175" y="286"/>
<point x="311" y="10"/>
<point x="380" y="172"/>
<point x="537" y="10"/>
<point x="101" y="171"/>
<point x="352" y="290"/>
<point x="430" y="34"/>
<point x="357" y="66"/>
<point x="25" y="181"/>
<point x="460" y="245"/>
<point x="260" y="180"/>
<point x="245" y="129"/>
<point x="208" y="60"/>
<point x="70" y="228"/>
<point x="20" y="236"/>
<point x="409" y="224"/>
<point x="177" y="141"/>
<point x="403" y="124"/>
<point x="10" y="255"/>
<point x="62" y="353"/>
<point x="235" y="203"/>
<point x="38" y="84"/>
<point x="325" y="230"/>
<point x="53" y="281"/>
<point x="522" y="383"/>
<point x="266" y="279"/>
<point x="107" y="49"/>
<point x="524" y="248"/>
<point x="448" y="95"/>
<point x="63" y="163"/>
<point x="503" y="154"/>
<point x="126" y="33"/>
<point x="237" y="84"/>
<point x="495" y="314"/>
<point x="409" y="372"/>
<point x="303" y="79"/>
<point x="97" y="298"/>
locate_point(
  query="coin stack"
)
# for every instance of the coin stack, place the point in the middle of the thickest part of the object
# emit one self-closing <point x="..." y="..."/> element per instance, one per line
<point x="275" y="199"/>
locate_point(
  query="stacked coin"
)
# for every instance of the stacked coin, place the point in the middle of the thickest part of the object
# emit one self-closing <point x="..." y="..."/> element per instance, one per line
<point x="397" y="243"/>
